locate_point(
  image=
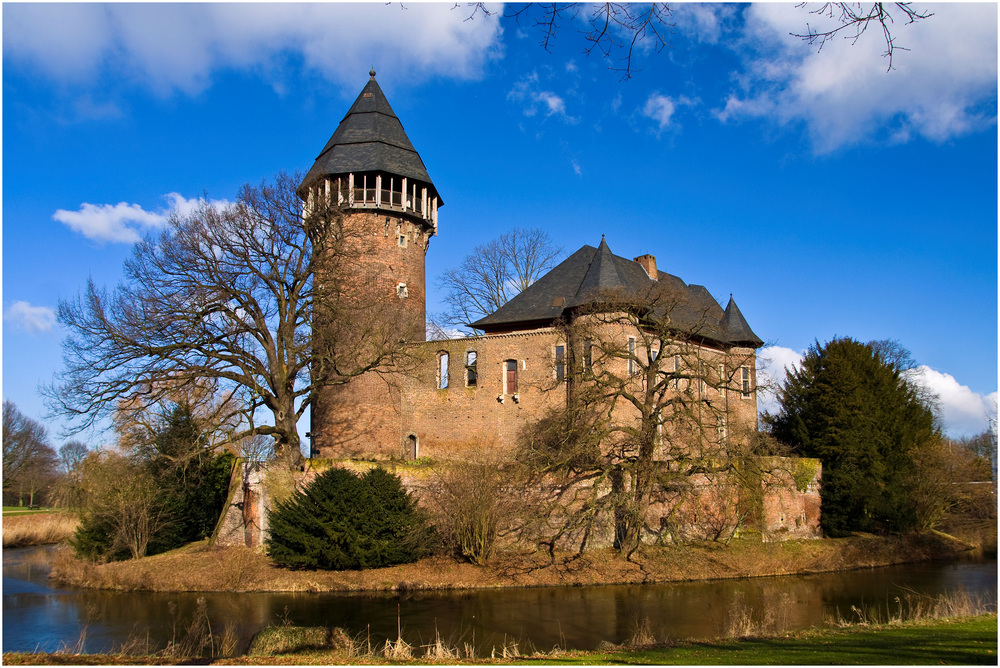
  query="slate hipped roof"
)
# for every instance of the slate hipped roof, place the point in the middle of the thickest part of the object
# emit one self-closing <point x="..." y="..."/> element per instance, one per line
<point x="590" y="272"/>
<point x="370" y="138"/>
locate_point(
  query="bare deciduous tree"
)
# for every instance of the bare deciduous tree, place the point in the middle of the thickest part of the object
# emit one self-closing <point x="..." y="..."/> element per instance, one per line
<point x="123" y="495"/>
<point x="226" y="298"/>
<point x="650" y="405"/>
<point x="29" y="462"/>
<point x="495" y="272"/>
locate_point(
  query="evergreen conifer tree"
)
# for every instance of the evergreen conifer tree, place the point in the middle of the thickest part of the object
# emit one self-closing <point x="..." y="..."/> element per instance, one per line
<point x="342" y="521"/>
<point x="850" y="406"/>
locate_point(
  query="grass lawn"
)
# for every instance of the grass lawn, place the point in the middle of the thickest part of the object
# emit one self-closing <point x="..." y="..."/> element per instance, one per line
<point x="967" y="641"/>
<point x="970" y="640"/>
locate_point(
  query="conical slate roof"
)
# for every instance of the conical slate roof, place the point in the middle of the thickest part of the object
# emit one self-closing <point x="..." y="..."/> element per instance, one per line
<point x="370" y="138"/>
<point x="591" y="272"/>
<point x="736" y="325"/>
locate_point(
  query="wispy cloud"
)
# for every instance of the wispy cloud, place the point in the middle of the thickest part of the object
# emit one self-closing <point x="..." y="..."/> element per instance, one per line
<point x="35" y="319"/>
<point x="122" y="222"/>
<point x="943" y="86"/>
<point x="529" y="94"/>
<point x="661" y="108"/>
<point x="173" y="47"/>
<point x="962" y="411"/>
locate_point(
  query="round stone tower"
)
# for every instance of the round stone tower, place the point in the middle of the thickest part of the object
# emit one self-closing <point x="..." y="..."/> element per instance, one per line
<point x="370" y="170"/>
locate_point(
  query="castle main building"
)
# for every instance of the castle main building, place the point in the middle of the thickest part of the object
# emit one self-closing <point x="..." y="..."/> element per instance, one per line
<point x="487" y="389"/>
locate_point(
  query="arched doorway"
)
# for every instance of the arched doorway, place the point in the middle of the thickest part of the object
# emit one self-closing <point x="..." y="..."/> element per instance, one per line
<point x="411" y="446"/>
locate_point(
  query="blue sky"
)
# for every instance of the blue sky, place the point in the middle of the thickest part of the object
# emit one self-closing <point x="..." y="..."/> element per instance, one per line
<point x="829" y="196"/>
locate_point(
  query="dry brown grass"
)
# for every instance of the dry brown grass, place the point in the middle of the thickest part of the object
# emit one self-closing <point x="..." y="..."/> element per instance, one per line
<point x="202" y="568"/>
<point x="38" y="528"/>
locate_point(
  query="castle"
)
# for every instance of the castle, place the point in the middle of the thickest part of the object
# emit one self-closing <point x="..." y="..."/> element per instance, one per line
<point x="656" y="362"/>
<point x="489" y="387"/>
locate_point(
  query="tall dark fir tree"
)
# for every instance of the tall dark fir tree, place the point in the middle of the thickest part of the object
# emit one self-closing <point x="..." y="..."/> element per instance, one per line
<point x="850" y="405"/>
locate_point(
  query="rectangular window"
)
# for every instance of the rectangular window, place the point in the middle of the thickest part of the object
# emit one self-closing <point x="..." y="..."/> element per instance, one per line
<point x="722" y="380"/>
<point x="443" y="371"/>
<point x="632" y="367"/>
<point x="560" y="362"/>
<point x="510" y="376"/>
<point x="588" y="359"/>
<point x="677" y="372"/>
<point x="471" y="375"/>
<point x="746" y="381"/>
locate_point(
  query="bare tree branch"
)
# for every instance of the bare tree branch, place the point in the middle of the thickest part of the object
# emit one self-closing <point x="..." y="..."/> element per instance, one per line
<point x="851" y="21"/>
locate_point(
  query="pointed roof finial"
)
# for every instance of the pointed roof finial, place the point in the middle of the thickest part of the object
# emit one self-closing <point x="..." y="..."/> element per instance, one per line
<point x="371" y="73"/>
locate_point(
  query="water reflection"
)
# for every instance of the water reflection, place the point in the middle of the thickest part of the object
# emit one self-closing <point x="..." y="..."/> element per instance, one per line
<point x="39" y="617"/>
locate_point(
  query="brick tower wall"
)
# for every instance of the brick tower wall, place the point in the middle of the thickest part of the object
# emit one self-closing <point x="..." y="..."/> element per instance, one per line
<point x="362" y="417"/>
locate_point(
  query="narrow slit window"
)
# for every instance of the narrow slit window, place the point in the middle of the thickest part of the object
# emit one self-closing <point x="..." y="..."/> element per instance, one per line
<point x="560" y="362"/>
<point x="443" y="371"/>
<point x="632" y="367"/>
<point x="471" y="373"/>
<point x="588" y="354"/>
<point x="745" y="381"/>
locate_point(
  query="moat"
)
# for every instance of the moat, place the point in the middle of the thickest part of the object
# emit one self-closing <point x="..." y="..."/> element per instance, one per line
<point x="39" y="617"/>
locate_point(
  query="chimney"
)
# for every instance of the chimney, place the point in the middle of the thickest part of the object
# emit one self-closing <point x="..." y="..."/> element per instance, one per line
<point x="648" y="262"/>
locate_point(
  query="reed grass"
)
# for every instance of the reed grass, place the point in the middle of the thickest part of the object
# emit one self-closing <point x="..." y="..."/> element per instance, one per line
<point x="38" y="528"/>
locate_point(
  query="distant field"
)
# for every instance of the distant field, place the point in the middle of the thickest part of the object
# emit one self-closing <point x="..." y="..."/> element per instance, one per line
<point x="24" y="510"/>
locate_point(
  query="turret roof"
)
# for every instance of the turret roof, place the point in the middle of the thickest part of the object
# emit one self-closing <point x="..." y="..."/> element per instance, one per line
<point x="589" y="273"/>
<point x="369" y="138"/>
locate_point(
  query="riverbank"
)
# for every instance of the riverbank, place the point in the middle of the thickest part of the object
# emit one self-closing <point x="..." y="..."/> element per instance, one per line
<point x="28" y="528"/>
<point x="965" y="641"/>
<point x="204" y="569"/>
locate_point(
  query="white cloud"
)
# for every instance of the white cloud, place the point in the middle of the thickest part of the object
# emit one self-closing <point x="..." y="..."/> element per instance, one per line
<point x="703" y="21"/>
<point x="31" y="318"/>
<point x="962" y="411"/>
<point x="123" y="223"/>
<point x="943" y="86"/>
<point x="773" y="363"/>
<point x="661" y="108"/>
<point x="177" y="46"/>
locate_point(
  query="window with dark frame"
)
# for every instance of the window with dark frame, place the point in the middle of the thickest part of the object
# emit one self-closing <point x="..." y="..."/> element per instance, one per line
<point x="471" y="374"/>
<point x="588" y="354"/>
<point x="632" y="367"/>
<point x="560" y="362"/>
<point x="746" y="381"/>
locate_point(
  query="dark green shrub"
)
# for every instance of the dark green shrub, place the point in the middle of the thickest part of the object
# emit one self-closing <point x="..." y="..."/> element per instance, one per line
<point x="343" y="521"/>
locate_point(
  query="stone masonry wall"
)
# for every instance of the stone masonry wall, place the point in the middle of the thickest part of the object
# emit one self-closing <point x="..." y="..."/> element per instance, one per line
<point x="707" y="508"/>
